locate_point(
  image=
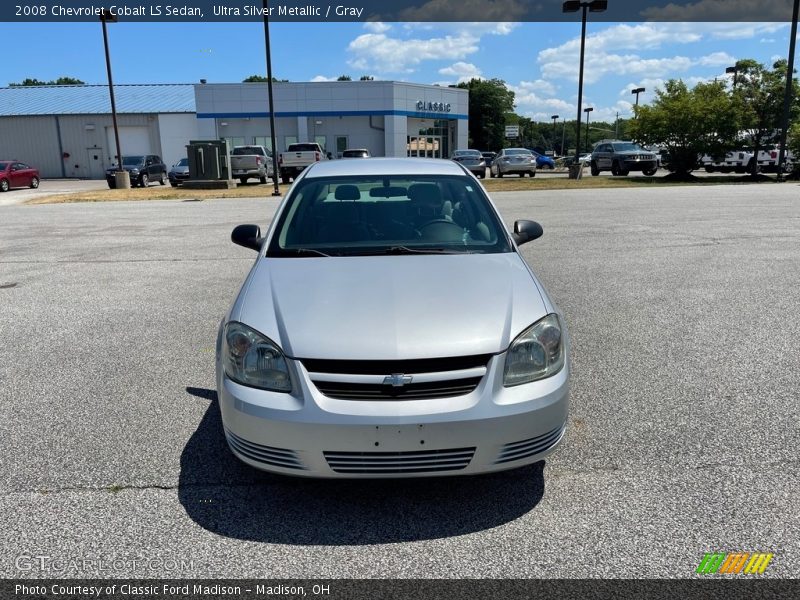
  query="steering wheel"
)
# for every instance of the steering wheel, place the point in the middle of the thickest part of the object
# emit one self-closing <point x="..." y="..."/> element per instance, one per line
<point x="444" y="224"/>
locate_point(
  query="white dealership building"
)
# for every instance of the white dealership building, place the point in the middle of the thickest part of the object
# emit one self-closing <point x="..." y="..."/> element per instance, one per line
<point x="67" y="131"/>
<point x="388" y="118"/>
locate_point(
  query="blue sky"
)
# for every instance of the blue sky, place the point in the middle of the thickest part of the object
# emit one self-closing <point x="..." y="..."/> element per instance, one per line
<point x="538" y="60"/>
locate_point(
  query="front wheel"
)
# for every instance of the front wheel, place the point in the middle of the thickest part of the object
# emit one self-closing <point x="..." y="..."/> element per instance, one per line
<point x="710" y="169"/>
<point x="649" y="172"/>
<point x="262" y="180"/>
<point x="595" y="169"/>
<point x="242" y="180"/>
<point x="531" y="173"/>
<point x="35" y="183"/>
<point x="163" y="179"/>
<point x="4" y="185"/>
<point x="499" y="173"/>
<point x="284" y="179"/>
<point x="144" y="180"/>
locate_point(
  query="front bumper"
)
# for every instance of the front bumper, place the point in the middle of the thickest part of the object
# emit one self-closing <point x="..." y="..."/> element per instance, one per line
<point x="641" y="165"/>
<point x="510" y="168"/>
<point x="306" y="433"/>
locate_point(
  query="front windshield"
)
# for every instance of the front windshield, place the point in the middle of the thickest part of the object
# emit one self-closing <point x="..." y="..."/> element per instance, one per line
<point x="184" y="162"/>
<point x="132" y="161"/>
<point x="373" y="215"/>
<point x="628" y="147"/>
<point x="517" y="151"/>
<point x="467" y="153"/>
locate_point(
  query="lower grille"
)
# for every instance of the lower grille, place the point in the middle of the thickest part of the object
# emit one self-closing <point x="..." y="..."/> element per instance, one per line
<point x="429" y="461"/>
<point x="413" y="391"/>
<point x="274" y="457"/>
<point x="529" y="447"/>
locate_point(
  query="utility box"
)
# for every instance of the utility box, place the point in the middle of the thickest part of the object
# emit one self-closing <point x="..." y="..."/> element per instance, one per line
<point x="208" y="160"/>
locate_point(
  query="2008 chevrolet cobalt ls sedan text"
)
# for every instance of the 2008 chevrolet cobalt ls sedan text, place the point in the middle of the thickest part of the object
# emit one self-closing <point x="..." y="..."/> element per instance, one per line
<point x="390" y="328"/>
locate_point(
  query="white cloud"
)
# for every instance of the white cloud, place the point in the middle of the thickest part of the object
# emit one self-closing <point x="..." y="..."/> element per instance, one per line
<point x="377" y="27"/>
<point x="462" y="70"/>
<point x="717" y="59"/>
<point x="318" y="78"/>
<point x="384" y="53"/>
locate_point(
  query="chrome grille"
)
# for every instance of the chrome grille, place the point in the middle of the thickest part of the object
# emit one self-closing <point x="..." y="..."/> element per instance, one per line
<point x="426" y="461"/>
<point x="275" y="457"/>
<point x="385" y="367"/>
<point x="412" y="391"/>
<point x="529" y="447"/>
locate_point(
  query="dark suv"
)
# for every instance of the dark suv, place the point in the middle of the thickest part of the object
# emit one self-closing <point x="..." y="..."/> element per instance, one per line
<point x="622" y="157"/>
<point x="142" y="168"/>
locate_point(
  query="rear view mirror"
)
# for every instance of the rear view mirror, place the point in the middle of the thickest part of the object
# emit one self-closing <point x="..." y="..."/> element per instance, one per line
<point x="248" y="236"/>
<point x="526" y="231"/>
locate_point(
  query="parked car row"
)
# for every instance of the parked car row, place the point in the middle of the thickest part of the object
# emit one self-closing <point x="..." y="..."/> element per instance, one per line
<point x="142" y="169"/>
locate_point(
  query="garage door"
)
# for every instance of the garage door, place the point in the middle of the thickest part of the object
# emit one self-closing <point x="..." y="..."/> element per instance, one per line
<point x="132" y="140"/>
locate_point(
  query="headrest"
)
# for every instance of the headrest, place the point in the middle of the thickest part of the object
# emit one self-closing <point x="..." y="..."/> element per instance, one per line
<point x="426" y="194"/>
<point x="347" y="192"/>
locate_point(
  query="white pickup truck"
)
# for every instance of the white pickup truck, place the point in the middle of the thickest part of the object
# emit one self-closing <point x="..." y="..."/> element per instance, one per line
<point x="739" y="161"/>
<point x="251" y="162"/>
<point x="768" y="159"/>
<point x="297" y="157"/>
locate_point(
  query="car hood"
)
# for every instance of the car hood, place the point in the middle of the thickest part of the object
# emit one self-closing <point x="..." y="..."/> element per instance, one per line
<point x="391" y="307"/>
<point x="179" y="170"/>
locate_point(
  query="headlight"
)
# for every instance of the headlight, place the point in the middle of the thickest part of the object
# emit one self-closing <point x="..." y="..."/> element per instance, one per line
<point x="538" y="352"/>
<point x="253" y="360"/>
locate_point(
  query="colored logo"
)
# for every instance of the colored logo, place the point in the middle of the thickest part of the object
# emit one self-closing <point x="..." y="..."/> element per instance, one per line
<point x="750" y="563"/>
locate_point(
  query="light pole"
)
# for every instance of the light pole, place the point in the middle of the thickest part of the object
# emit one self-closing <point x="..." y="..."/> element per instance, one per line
<point x="787" y="96"/>
<point x="273" y="138"/>
<point x="735" y="70"/>
<point x="121" y="177"/>
<point x="555" y="118"/>
<point x="587" y="110"/>
<point x="638" y="91"/>
<point x="569" y="7"/>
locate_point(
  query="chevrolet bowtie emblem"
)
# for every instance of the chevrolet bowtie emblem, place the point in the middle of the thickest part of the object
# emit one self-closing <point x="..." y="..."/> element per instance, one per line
<point x="397" y="379"/>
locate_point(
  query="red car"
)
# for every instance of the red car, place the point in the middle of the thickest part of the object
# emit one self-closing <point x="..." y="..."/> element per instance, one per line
<point x="16" y="174"/>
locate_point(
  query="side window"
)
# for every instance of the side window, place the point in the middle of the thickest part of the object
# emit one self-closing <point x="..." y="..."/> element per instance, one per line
<point x="22" y="166"/>
<point x="156" y="159"/>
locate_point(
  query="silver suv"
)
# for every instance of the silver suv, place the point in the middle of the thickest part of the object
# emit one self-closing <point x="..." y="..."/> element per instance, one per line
<point x="622" y="157"/>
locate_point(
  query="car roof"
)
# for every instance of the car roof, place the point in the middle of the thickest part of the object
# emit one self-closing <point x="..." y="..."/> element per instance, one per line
<point x="384" y="166"/>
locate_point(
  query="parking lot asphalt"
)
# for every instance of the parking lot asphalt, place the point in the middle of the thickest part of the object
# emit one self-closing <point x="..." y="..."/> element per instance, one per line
<point x="682" y="305"/>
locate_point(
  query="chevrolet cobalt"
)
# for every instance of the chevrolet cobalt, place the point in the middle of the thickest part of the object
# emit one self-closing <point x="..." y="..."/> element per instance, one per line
<point x="389" y="327"/>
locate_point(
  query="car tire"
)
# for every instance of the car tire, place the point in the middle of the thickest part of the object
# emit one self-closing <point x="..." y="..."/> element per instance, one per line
<point x="34" y="183"/>
<point x="532" y="174"/>
<point x="173" y="184"/>
<point x="649" y="172"/>
<point x="285" y="179"/>
<point x="710" y="169"/>
<point x="615" y="169"/>
<point x="262" y="179"/>
<point x="499" y="173"/>
<point x="112" y="185"/>
<point x="595" y="169"/>
<point x="144" y="180"/>
<point x="4" y="185"/>
<point x="163" y="179"/>
<point x="242" y="180"/>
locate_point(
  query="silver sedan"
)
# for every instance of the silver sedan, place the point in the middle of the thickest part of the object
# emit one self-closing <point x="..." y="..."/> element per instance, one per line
<point x="514" y="161"/>
<point x="389" y="327"/>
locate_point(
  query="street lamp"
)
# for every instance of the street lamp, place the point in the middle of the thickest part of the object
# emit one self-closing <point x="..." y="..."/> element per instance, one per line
<point x="787" y="96"/>
<point x="735" y="70"/>
<point x="587" y="111"/>
<point x="121" y="177"/>
<point x="569" y="7"/>
<point x="638" y="91"/>
<point x="555" y="118"/>
<point x="273" y="139"/>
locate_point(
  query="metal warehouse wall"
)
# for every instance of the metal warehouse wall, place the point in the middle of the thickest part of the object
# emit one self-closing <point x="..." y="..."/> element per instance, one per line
<point x="34" y="139"/>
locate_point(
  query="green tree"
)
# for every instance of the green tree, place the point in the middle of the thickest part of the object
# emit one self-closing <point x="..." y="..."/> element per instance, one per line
<point x="344" y="78"/>
<point x="759" y="97"/>
<point x="60" y="81"/>
<point x="688" y="123"/>
<point x="793" y="144"/>
<point x="262" y="79"/>
<point x="489" y="102"/>
<point x="366" y="78"/>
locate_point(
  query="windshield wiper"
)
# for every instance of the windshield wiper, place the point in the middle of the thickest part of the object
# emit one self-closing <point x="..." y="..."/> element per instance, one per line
<point x="398" y="250"/>
<point x="303" y="252"/>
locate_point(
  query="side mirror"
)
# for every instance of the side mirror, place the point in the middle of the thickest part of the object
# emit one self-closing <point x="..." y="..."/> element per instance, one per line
<point x="248" y="236"/>
<point x="526" y="231"/>
<point x="329" y="155"/>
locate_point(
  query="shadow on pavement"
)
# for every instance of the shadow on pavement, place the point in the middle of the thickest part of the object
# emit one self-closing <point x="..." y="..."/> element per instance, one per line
<point x="227" y="497"/>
